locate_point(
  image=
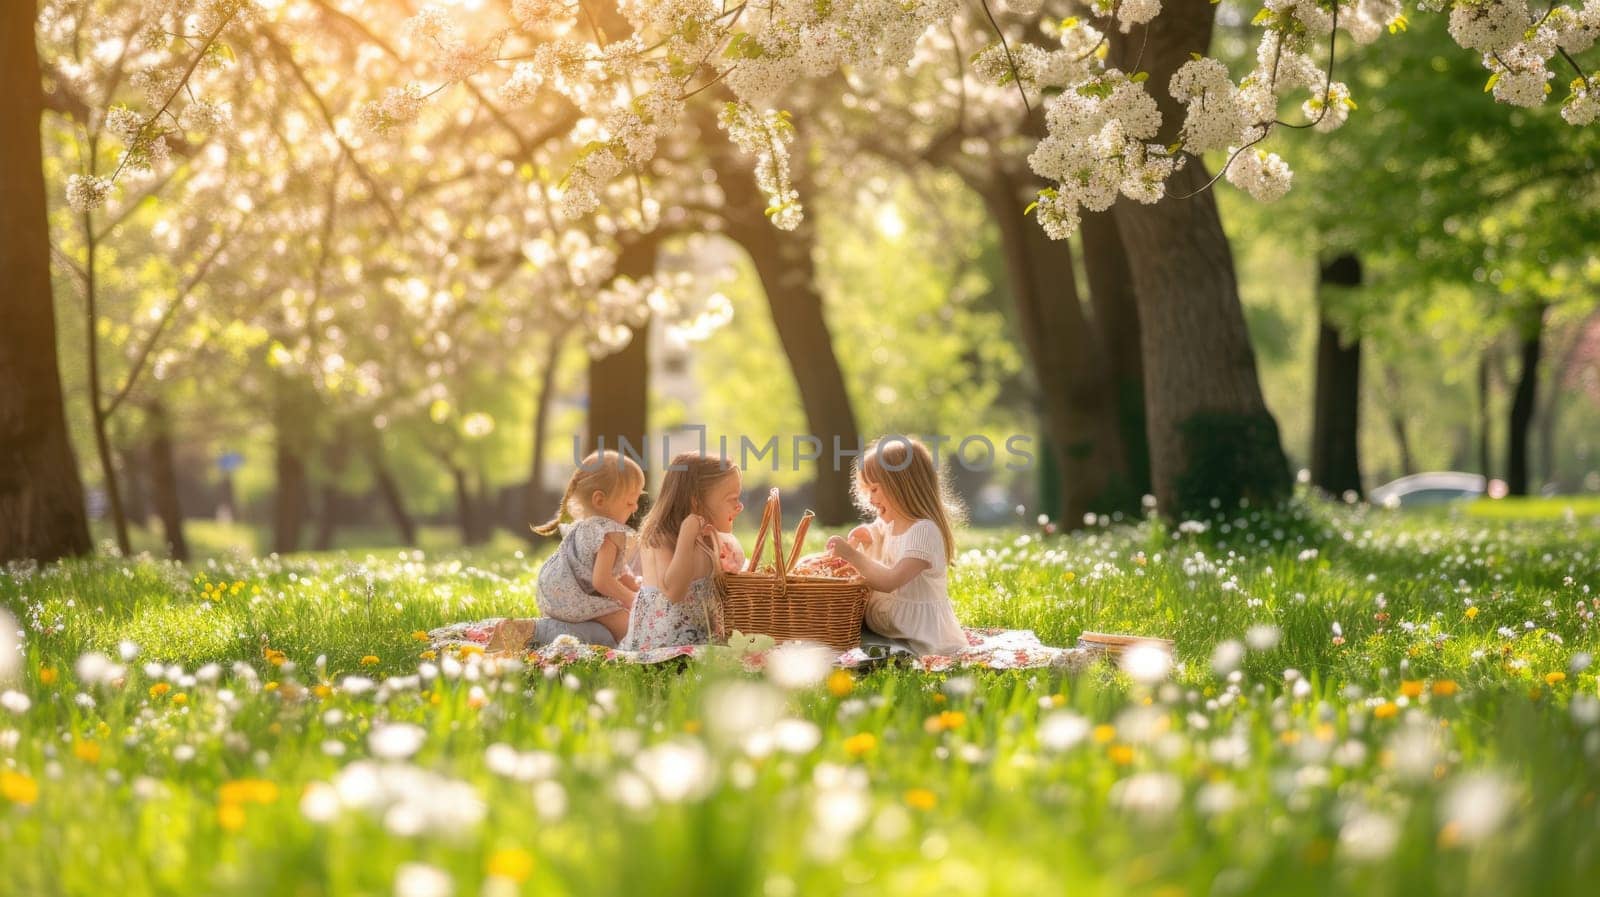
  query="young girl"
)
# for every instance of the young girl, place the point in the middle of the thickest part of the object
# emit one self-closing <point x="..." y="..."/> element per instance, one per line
<point x="588" y="578"/>
<point x="687" y="530"/>
<point x="904" y="552"/>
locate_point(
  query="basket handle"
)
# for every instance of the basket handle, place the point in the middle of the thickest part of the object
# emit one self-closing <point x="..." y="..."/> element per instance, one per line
<point x="761" y="537"/>
<point x="799" y="539"/>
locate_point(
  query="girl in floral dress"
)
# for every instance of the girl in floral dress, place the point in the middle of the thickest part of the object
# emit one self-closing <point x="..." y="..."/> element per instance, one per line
<point x="588" y="578"/>
<point x="685" y="534"/>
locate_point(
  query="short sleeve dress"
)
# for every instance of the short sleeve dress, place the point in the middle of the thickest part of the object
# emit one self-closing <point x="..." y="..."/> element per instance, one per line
<point x="919" y="612"/>
<point x="566" y="581"/>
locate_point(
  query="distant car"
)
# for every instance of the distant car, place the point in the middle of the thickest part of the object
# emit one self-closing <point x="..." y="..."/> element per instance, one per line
<point x="1435" y="488"/>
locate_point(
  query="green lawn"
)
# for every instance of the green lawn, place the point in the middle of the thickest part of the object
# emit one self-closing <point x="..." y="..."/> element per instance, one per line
<point x="1363" y="703"/>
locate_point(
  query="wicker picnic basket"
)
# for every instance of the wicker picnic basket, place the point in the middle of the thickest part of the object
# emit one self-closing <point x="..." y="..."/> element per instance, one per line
<point x="772" y="601"/>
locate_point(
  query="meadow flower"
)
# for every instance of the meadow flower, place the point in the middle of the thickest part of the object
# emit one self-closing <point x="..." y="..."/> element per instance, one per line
<point x="1476" y="806"/>
<point x="797" y="665"/>
<point x="676" y="771"/>
<point x="15" y="701"/>
<point x="1146" y="663"/>
<point x="422" y="880"/>
<point x="1149" y="795"/>
<point x="1062" y="731"/>
<point x="1263" y="637"/>
<point x="1368" y="836"/>
<point x="860" y="744"/>
<point x="1226" y="657"/>
<point x="395" y="741"/>
<point x="18" y="788"/>
<point x="841" y="683"/>
<point x="512" y="863"/>
<point x="921" y="799"/>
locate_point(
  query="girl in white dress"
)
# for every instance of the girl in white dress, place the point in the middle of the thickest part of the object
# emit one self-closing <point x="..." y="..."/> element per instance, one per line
<point x="904" y="553"/>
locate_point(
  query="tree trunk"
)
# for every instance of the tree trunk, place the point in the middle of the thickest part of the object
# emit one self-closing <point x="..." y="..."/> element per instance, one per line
<point x="164" y="480"/>
<point x="289" y="510"/>
<point x="97" y="412"/>
<point x="1484" y="423"/>
<point x="1079" y="402"/>
<point x="787" y="268"/>
<point x="389" y="490"/>
<point x="468" y="510"/>
<point x="619" y="384"/>
<point x="786" y="264"/>
<point x="1397" y="423"/>
<point x="335" y="456"/>
<point x="1550" y="415"/>
<point x="42" y="513"/>
<point x="533" y="498"/>
<point x="135" y="485"/>
<point x="1211" y="435"/>
<point x="1336" y="414"/>
<point x="1116" y="319"/>
<point x="1524" y="400"/>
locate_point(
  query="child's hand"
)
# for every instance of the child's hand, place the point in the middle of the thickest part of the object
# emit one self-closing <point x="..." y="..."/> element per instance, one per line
<point x="861" y="535"/>
<point x="840" y="547"/>
<point x="628" y="580"/>
<point x="692" y="528"/>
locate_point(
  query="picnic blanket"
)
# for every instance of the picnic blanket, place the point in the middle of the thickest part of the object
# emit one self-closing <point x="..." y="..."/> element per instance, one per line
<point x="987" y="648"/>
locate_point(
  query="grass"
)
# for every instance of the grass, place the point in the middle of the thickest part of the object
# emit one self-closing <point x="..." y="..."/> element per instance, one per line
<point x="1363" y="703"/>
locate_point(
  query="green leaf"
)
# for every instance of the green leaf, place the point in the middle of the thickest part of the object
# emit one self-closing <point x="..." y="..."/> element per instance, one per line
<point x="1261" y="16"/>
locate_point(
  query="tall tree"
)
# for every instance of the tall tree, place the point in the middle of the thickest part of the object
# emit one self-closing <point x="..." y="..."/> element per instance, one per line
<point x="1211" y="435"/>
<point x="1336" y="403"/>
<point x="42" y="513"/>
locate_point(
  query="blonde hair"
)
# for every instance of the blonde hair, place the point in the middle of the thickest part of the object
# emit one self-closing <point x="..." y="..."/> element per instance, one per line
<point x="688" y="481"/>
<point x="903" y="468"/>
<point x="606" y="472"/>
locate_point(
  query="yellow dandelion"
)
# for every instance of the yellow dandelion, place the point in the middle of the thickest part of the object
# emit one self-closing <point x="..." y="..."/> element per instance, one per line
<point x="859" y="744"/>
<point x="939" y="699"/>
<point x="159" y="689"/>
<point x="1290" y="736"/>
<point x="1068" y="577"/>
<point x="420" y="635"/>
<point x="470" y="650"/>
<point x="841" y="683"/>
<point x="248" y="791"/>
<point x="18" y="789"/>
<point x="1104" y="733"/>
<point x="921" y="799"/>
<point x="48" y="676"/>
<point x="428" y="655"/>
<point x="944" y="721"/>
<point x="1444" y="688"/>
<point x="1120" y="754"/>
<point x="435" y="699"/>
<point x="512" y="863"/>
<point x="691" y="726"/>
<point x="1411" y="688"/>
<point x="180" y="698"/>
<point x="231" y="817"/>
<point x="1472" y="612"/>
<point x="1058" y="700"/>
<point x="275" y="657"/>
<point x="369" y="660"/>
<point x="1553" y="678"/>
<point x="1386" y="710"/>
<point x="87" y="751"/>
